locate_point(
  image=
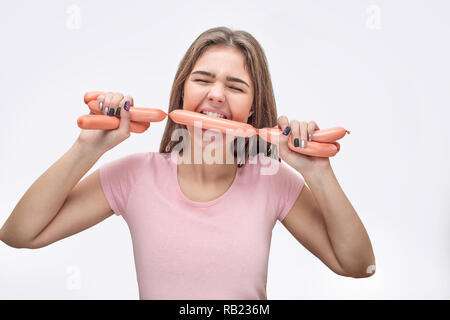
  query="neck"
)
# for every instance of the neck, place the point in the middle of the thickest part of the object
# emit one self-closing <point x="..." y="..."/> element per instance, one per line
<point x="209" y="169"/>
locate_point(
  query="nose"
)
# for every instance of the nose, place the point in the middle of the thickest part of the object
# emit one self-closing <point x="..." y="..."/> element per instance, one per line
<point x="216" y="94"/>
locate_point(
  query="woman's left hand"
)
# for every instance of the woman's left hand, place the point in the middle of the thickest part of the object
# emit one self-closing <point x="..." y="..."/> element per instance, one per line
<point x="302" y="131"/>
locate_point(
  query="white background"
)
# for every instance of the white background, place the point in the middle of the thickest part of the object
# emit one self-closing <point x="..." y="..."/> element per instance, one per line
<point x="378" y="68"/>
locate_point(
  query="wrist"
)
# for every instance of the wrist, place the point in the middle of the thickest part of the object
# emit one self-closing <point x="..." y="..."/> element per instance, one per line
<point x="314" y="165"/>
<point x="88" y="150"/>
<point x="317" y="170"/>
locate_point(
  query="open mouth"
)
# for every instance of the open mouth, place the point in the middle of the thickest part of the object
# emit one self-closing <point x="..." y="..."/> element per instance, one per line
<point x="209" y="113"/>
<point x="213" y="114"/>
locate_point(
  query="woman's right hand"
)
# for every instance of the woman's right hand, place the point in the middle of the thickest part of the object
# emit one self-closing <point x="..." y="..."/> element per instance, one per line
<point x="104" y="140"/>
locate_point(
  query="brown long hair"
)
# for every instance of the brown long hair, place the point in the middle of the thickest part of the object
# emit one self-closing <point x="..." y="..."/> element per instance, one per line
<point x="264" y="106"/>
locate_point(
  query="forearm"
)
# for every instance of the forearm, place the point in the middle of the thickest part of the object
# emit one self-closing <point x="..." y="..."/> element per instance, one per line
<point x="42" y="201"/>
<point x="347" y="234"/>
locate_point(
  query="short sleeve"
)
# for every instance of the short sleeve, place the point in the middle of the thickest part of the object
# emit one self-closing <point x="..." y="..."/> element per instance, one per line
<point x="117" y="178"/>
<point x="287" y="184"/>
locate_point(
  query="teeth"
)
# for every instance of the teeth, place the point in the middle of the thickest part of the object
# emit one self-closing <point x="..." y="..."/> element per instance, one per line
<point x="213" y="114"/>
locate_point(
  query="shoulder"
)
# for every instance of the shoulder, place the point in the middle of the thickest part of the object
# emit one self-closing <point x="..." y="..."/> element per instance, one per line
<point x="126" y="164"/>
<point x="136" y="167"/>
<point x="160" y="159"/>
<point x="131" y="160"/>
<point x="140" y="157"/>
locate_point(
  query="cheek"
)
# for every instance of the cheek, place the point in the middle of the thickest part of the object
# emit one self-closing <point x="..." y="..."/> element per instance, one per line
<point x="240" y="109"/>
<point x="192" y="97"/>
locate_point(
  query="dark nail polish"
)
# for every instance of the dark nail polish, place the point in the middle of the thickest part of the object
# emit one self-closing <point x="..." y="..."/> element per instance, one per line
<point x="127" y="106"/>
<point x="118" y="112"/>
<point x="111" y="112"/>
<point x="287" y="130"/>
<point x="296" y="143"/>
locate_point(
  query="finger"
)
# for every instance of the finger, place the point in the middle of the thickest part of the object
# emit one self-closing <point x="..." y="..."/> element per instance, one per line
<point x="118" y="94"/>
<point x="303" y="133"/>
<point x="115" y="101"/>
<point x="312" y="126"/>
<point x="101" y="101"/>
<point x="120" y="108"/>
<point x="107" y="102"/>
<point x="283" y="123"/>
<point x="295" y="132"/>
<point x="125" y="99"/>
<point x="131" y="100"/>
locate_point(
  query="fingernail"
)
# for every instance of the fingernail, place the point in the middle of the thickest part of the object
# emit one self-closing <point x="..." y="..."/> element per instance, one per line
<point x="118" y="112"/>
<point x="105" y="111"/>
<point x="127" y="106"/>
<point x="287" y="130"/>
<point x="100" y="105"/>
<point x="309" y="137"/>
<point x="111" y="112"/>
<point x="296" y="142"/>
<point x="303" y="144"/>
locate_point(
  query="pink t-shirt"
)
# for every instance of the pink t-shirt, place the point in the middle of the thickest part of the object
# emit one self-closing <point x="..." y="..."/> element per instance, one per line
<point x="199" y="250"/>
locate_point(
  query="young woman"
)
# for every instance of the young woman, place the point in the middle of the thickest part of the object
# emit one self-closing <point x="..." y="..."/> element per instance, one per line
<point x="201" y="229"/>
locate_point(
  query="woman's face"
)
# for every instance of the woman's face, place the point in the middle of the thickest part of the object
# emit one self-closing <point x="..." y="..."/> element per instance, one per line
<point x="220" y="81"/>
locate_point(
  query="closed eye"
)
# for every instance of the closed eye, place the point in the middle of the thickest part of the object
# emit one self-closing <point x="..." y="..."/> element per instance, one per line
<point x="237" y="89"/>
<point x="201" y="80"/>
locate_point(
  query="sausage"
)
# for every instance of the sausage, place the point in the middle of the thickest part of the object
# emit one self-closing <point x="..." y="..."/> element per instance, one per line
<point x="329" y="135"/>
<point x="91" y="95"/>
<point x="322" y="135"/>
<point x="188" y="118"/>
<point x="103" y="122"/>
<point x="136" y="114"/>
<point x="140" y="117"/>
<point x="316" y="149"/>
<point x="323" y="142"/>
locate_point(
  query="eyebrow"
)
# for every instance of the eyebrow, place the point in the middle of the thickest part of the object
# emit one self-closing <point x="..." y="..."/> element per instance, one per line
<point x="212" y="75"/>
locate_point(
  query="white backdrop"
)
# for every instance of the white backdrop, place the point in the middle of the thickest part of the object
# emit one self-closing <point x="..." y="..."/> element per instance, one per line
<point x="379" y="68"/>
